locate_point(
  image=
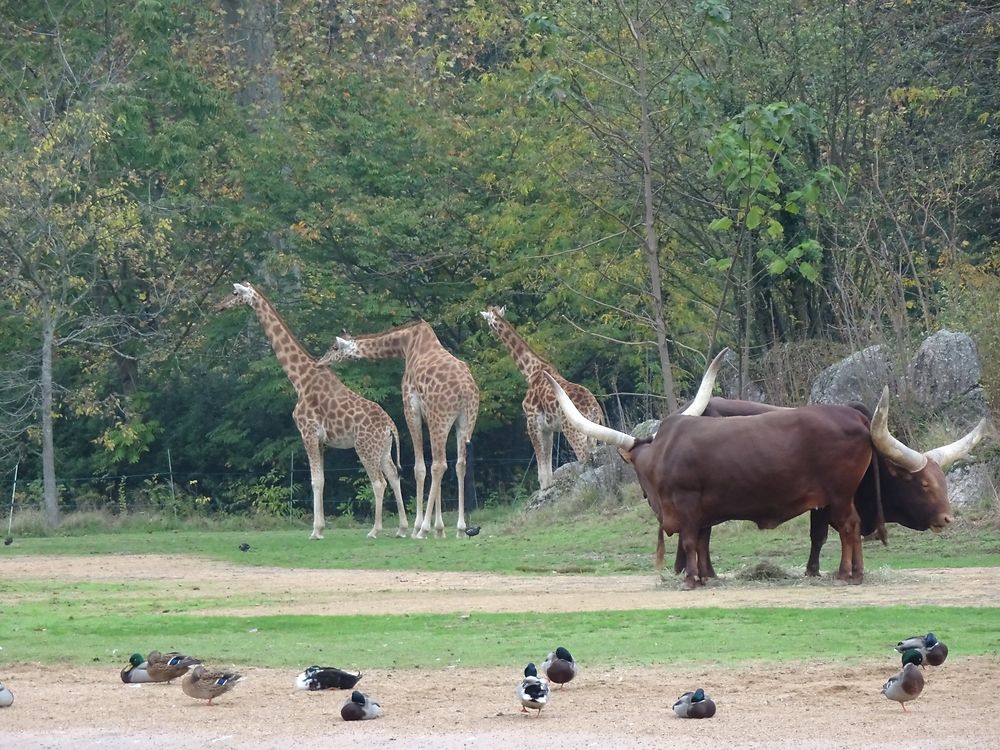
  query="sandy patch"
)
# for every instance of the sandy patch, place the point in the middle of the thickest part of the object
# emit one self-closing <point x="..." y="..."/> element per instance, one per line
<point x="315" y="591"/>
<point x="812" y="706"/>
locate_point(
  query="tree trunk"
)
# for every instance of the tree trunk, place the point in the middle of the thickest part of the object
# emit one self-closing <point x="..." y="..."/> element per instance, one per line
<point x="50" y="491"/>
<point x="649" y="215"/>
<point x="250" y="26"/>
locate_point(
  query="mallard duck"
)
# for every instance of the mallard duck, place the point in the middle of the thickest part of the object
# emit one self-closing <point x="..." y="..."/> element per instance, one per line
<point x="532" y="691"/>
<point x="695" y="705"/>
<point x="137" y="670"/>
<point x="559" y="666"/>
<point x="201" y="684"/>
<point x="326" y="678"/>
<point x="907" y="684"/>
<point x="165" y="667"/>
<point x="6" y="697"/>
<point x="933" y="651"/>
<point x="360" y="707"/>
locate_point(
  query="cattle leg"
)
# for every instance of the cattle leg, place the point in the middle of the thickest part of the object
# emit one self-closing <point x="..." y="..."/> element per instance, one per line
<point x="819" y="528"/>
<point x="689" y="540"/>
<point x="704" y="557"/>
<point x="851" y="564"/>
<point x="680" y="559"/>
<point x="661" y="547"/>
<point x="705" y="569"/>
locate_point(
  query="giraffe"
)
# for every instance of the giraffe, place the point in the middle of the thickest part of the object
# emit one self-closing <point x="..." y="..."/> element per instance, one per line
<point x="438" y="389"/>
<point x="541" y="410"/>
<point x="328" y="413"/>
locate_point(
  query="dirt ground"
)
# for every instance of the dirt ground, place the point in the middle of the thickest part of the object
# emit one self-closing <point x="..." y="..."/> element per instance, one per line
<point x="814" y="706"/>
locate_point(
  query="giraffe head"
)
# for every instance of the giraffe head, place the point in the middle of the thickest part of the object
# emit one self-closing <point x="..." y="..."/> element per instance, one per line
<point x="493" y="316"/>
<point x="343" y="348"/>
<point x="243" y="294"/>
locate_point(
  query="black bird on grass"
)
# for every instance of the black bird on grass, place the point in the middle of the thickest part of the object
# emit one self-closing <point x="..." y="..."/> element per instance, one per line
<point x="532" y="691"/>
<point x="326" y="678"/>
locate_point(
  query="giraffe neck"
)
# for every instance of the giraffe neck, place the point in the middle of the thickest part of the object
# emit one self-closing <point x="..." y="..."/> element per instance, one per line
<point x="403" y="342"/>
<point x="527" y="361"/>
<point x="294" y="359"/>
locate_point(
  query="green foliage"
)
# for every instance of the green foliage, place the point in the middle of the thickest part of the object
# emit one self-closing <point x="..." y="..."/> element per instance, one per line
<point x="829" y="181"/>
<point x="270" y="495"/>
<point x="757" y="157"/>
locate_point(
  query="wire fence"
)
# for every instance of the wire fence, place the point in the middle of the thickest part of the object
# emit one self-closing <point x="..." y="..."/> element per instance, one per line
<point x="280" y="491"/>
<point x="108" y="489"/>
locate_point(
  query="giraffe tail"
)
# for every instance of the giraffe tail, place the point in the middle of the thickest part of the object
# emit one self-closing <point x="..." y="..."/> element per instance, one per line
<point x="395" y="443"/>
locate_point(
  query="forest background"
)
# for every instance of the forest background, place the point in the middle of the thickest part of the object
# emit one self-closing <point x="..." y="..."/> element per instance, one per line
<point x="639" y="182"/>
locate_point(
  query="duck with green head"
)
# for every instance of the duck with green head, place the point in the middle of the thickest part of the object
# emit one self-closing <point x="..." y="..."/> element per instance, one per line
<point x="907" y="684"/>
<point x="136" y="671"/>
<point x="694" y="704"/>
<point x="157" y="667"/>
<point x="559" y="666"/>
<point x="933" y="651"/>
<point x="360" y="708"/>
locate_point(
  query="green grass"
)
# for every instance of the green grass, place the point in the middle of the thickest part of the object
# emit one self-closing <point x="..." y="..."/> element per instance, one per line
<point x="51" y="633"/>
<point x="101" y="623"/>
<point x="588" y="541"/>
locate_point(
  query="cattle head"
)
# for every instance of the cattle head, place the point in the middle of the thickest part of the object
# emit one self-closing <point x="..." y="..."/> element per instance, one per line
<point x="916" y="480"/>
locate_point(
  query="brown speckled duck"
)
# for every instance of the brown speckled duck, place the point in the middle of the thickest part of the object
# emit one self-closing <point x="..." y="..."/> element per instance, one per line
<point x="166" y="667"/>
<point x="204" y="685"/>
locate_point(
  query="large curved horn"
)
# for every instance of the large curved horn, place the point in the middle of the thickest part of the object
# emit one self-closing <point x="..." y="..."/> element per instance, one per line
<point x="697" y="406"/>
<point x="584" y="425"/>
<point x="891" y="448"/>
<point x="946" y="455"/>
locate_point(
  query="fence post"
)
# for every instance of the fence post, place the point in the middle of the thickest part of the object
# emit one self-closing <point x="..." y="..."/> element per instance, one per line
<point x="170" y="474"/>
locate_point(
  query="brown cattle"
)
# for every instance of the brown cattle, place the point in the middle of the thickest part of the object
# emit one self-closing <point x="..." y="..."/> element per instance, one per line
<point x="911" y="488"/>
<point x="766" y="468"/>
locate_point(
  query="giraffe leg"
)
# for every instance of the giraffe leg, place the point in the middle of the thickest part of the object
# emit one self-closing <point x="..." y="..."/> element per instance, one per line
<point x="378" y="490"/>
<point x="392" y="476"/>
<point x="439" y="465"/>
<point x="543" y="457"/>
<point x="545" y="438"/>
<point x="579" y="442"/>
<point x="315" y="454"/>
<point x="415" y="425"/>
<point x="463" y="435"/>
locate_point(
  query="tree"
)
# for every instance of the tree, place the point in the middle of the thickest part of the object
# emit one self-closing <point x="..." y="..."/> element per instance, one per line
<point x="60" y="226"/>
